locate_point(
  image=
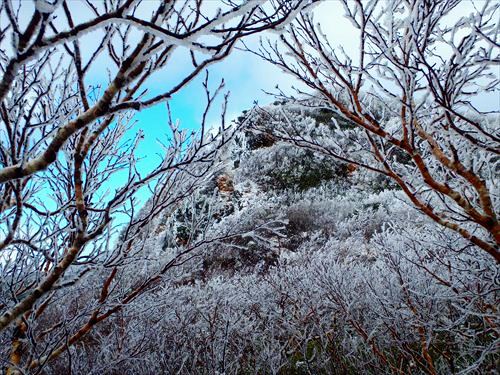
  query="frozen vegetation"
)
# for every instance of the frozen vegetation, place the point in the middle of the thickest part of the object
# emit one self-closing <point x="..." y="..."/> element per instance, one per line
<point x="349" y="228"/>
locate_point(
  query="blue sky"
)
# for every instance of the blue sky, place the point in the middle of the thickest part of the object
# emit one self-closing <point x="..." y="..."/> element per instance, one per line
<point x="246" y="77"/>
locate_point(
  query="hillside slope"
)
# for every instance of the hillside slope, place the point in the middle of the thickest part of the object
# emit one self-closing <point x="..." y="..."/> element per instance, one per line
<point x="290" y="262"/>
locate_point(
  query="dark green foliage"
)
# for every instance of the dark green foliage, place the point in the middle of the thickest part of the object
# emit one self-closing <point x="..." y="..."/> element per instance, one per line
<point x="381" y="183"/>
<point x="241" y="118"/>
<point x="402" y="156"/>
<point x="325" y="115"/>
<point x="259" y="140"/>
<point x="305" y="173"/>
<point x="299" y="364"/>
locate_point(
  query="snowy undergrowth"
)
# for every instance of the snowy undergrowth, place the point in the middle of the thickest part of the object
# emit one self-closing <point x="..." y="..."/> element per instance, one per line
<point x="309" y="273"/>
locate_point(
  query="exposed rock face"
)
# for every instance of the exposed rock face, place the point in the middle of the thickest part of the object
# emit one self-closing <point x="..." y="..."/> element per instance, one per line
<point x="225" y="183"/>
<point x="351" y="168"/>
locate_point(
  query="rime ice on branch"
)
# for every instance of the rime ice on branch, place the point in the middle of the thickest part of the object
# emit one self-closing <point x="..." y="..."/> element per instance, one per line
<point x="411" y="90"/>
<point x="63" y="139"/>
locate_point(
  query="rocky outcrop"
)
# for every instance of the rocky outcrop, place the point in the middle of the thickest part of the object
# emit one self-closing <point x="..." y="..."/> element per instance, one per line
<point x="225" y="183"/>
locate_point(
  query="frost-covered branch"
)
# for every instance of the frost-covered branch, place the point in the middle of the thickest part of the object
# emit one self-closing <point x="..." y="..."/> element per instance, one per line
<point x="412" y="93"/>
